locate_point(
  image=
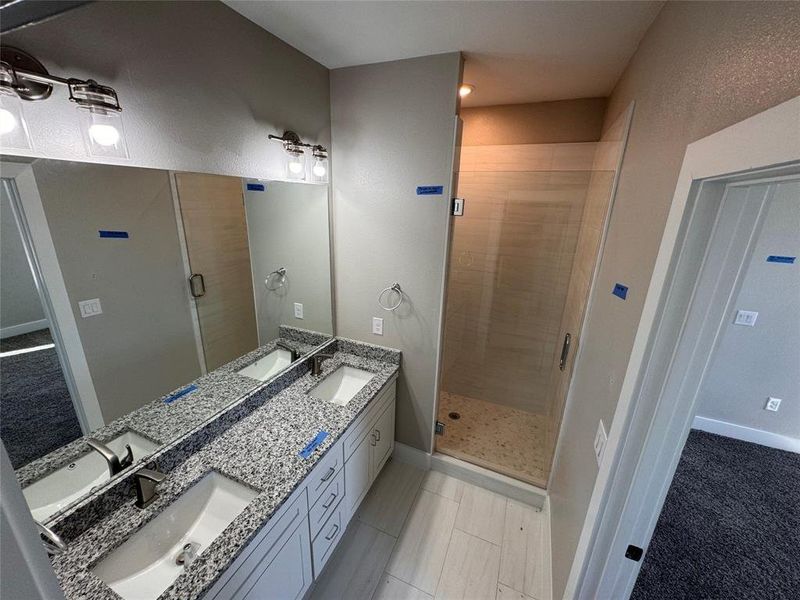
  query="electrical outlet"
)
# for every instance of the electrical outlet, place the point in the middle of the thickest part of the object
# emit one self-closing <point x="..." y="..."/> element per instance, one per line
<point x="773" y="404"/>
<point x="377" y="325"/>
<point x="746" y="317"/>
<point x="600" y="439"/>
<point x="90" y="308"/>
<point x="298" y="310"/>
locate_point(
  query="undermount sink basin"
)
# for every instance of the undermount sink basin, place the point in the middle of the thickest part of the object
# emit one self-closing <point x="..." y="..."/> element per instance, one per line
<point x="51" y="493"/>
<point x="146" y="564"/>
<point x="268" y="366"/>
<point x="342" y="385"/>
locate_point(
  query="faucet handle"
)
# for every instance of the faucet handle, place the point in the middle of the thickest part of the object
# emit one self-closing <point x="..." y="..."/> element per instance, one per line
<point x="150" y="475"/>
<point x="146" y="480"/>
<point x="127" y="460"/>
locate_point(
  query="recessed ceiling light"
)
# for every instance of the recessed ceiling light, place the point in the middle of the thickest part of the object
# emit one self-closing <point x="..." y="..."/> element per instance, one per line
<point x="465" y="90"/>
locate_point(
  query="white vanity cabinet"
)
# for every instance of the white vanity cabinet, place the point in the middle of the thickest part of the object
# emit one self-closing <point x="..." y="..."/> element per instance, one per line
<point x="282" y="560"/>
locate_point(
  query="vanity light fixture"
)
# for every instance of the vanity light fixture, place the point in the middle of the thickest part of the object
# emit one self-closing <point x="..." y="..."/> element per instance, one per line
<point x="320" y="168"/>
<point x="296" y="158"/>
<point x="465" y="90"/>
<point x="24" y="77"/>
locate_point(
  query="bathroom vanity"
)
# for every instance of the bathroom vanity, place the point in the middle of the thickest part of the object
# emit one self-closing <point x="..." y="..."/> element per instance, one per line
<point x="256" y="500"/>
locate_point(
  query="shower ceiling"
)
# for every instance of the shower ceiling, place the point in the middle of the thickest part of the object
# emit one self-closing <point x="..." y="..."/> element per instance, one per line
<point x="515" y="51"/>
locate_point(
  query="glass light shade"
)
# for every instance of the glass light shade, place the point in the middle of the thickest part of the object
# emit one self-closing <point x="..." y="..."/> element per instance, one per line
<point x="13" y="128"/>
<point x="295" y="163"/>
<point x="320" y="169"/>
<point x="103" y="133"/>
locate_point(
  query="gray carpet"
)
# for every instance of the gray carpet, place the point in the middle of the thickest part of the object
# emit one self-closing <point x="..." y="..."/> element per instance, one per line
<point x="36" y="411"/>
<point x="730" y="527"/>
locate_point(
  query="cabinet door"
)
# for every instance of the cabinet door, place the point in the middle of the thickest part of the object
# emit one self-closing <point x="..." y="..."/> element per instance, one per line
<point x="382" y="435"/>
<point x="357" y="477"/>
<point x="288" y="575"/>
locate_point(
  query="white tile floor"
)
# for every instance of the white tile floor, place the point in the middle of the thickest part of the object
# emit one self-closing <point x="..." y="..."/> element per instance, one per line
<point x="421" y="535"/>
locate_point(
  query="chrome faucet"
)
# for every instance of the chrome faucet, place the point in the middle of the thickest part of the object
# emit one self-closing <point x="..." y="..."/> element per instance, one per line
<point x="146" y="481"/>
<point x="283" y="345"/>
<point x="52" y="542"/>
<point x="316" y="362"/>
<point x="115" y="465"/>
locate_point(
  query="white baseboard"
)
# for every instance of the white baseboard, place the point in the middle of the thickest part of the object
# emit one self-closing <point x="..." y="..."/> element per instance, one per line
<point x="6" y="332"/>
<point x="747" y="434"/>
<point x="411" y="456"/>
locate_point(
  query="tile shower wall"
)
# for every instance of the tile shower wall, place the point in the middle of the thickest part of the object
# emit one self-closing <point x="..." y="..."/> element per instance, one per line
<point x="510" y="265"/>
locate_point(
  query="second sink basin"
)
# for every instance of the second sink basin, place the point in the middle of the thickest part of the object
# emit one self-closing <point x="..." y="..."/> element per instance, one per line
<point x="53" y="492"/>
<point x="271" y="364"/>
<point x="148" y="563"/>
<point x="342" y="385"/>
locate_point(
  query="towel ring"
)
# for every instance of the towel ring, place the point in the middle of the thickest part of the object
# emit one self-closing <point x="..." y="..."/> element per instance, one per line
<point x="395" y="287"/>
<point x="281" y="272"/>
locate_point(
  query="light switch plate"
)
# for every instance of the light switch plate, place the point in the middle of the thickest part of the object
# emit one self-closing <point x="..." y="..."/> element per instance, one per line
<point x="90" y="308"/>
<point x="746" y="317"/>
<point x="377" y="325"/>
<point x="773" y="404"/>
<point x="298" y="310"/>
<point x="600" y="439"/>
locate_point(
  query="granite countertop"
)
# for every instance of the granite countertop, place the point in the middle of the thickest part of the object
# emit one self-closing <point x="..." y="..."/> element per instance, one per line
<point x="260" y="451"/>
<point x="162" y="422"/>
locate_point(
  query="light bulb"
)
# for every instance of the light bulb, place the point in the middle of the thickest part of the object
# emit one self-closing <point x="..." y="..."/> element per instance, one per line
<point x="465" y="90"/>
<point x="7" y="121"/>
<point x="319" y="169"/>
<point x="105" y="135"/>
<point x="295" y="166"/>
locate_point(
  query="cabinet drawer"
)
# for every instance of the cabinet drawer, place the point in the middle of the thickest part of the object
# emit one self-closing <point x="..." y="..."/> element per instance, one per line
<point x="326" y="503"/>
<point x="324" y="472"/>
<point x="326" y="540"/>
<point x="357" y="430"/>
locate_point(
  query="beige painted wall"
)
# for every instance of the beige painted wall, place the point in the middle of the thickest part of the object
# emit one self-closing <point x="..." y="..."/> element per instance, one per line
<point x="702" y="66"/>
<point x="751" y="364"/>
<point x="143" y="345"/>
<point x="393" y="129"/>
<point x="19" y="299"/>
<point x="562" y="121"/>
<point x="287" y="226"/>
<point x="200" y="85"/>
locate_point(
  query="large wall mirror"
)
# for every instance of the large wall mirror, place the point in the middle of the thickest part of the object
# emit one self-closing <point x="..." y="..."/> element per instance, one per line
<point x="126" y="291"/>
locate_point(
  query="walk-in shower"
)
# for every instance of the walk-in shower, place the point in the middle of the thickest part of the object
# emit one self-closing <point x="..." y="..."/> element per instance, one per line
<point x="521" y="262"/>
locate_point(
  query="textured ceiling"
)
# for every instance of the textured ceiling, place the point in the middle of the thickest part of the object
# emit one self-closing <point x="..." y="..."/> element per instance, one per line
<point x="515" y="51"/>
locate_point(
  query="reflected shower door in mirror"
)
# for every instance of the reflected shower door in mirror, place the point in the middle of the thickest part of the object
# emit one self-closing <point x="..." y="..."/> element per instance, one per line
<point x="127" y="292"/>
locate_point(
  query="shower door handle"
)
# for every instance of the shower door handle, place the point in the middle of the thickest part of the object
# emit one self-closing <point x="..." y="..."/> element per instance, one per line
<point x="197" y="285"/>
<point x="564" y="352"/>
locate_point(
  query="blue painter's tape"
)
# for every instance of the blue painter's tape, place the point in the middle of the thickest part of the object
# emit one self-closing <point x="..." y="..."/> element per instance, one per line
<point x="430" y="190"/>
<point x="180" y="393"/>
<point x="787" y="260"/>
<point x="620" y="291"/>
<point x="113" y="234"/>
<point x="255" y="187"/>
<point x="313" y="444"/>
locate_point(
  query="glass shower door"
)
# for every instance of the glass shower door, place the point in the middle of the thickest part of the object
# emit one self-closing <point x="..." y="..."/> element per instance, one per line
<point x="521" y="261"/>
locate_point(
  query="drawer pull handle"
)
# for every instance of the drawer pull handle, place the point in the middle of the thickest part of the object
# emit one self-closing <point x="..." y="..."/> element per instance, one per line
<point x="329" y="474"/>
<point x="330" y="501"/>
<point x="378" y="434"/>
<point x="333" y="533"/>
<point x="374" y="442"/>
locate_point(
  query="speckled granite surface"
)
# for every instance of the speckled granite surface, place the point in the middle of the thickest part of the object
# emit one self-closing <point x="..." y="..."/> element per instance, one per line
<point x="161" y="422"/>
<point x="259" y="448"/>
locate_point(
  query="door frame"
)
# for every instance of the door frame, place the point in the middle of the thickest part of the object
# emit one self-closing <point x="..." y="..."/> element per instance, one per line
<point x="26" y="203"/>
<point x="648" y="431"/>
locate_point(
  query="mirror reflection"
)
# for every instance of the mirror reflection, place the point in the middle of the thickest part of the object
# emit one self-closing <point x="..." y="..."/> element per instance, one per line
<point x="137" y="303"/>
